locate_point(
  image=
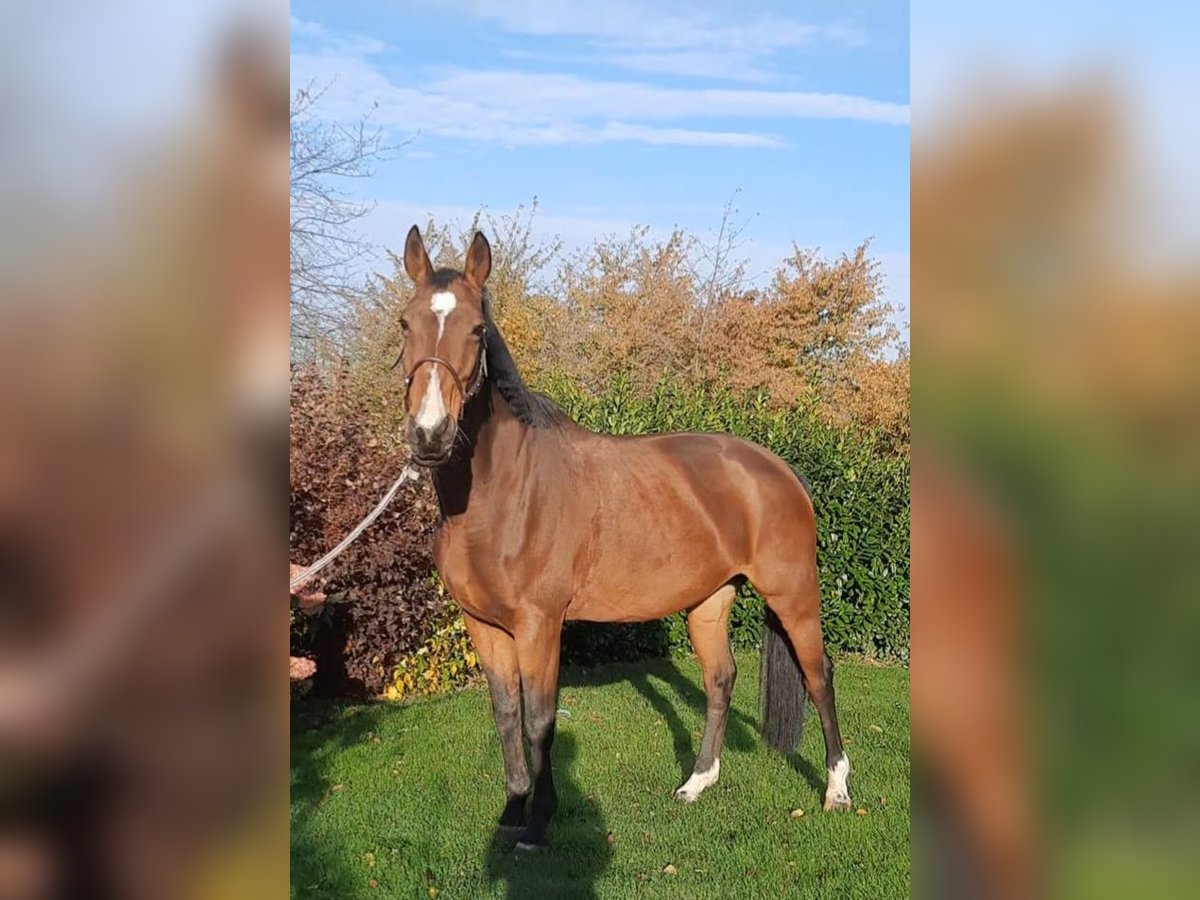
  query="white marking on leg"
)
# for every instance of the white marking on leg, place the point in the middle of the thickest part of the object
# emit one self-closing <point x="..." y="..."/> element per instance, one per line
<point x="442" y="303"/>
<point x="837" y="793"/>
<point x="433" y="409"/>
<point x="691" y="789"/>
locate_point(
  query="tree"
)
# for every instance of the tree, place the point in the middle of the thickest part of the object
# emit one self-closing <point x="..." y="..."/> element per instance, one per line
<point x="325" y="249"/>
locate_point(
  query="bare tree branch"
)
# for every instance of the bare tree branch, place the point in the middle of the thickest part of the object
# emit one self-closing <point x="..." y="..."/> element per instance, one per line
<point x="326" y="253"/>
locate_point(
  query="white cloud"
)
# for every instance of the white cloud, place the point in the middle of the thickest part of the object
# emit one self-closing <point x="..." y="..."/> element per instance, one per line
<point x="725" y="65"/>
<point x="621" y="131"/>
<point x="652" y="26"/>
<point x="535" y="94"/>
<point x="650" y="37"/>
<point x="342" y="42"/>
<point x="521" y="108"/>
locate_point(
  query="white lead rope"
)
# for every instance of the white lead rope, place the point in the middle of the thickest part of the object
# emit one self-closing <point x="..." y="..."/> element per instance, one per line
<point x="409" y="474"/>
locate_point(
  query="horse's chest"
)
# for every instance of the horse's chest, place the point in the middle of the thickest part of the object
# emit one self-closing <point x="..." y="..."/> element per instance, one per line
<point x="495" y="571"/>
<point x="463" y="568"/>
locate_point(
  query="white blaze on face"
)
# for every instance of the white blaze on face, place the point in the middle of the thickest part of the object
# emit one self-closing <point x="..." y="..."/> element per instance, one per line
<point x="442" y="303"/>
<point x="433" y="409"/>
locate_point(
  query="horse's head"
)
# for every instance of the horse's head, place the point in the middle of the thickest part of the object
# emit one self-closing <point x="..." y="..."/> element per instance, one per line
<point x="444" y="356"/>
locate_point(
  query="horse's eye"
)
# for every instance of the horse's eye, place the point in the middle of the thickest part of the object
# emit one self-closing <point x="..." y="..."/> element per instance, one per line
<point x="404" y="325"/>
<point x="479" y="330"/>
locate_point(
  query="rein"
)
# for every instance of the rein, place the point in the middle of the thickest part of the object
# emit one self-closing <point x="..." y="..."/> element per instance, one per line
<point x="298" y="580"/>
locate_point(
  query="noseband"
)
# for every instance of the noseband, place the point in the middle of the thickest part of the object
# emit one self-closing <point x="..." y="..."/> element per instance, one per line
<point x="467" y="393"/>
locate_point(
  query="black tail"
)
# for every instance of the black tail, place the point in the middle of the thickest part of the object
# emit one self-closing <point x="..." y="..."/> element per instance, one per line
<point x="782" y="684"/>
<point x="782" y="708"/>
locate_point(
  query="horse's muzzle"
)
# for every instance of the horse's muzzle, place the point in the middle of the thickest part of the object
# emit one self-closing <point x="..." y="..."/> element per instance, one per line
<point x="432" y="446"/>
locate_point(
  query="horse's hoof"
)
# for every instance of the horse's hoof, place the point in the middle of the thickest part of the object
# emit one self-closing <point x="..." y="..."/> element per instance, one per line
<point x="532" y="838"/>
<point x="690" y="790"/>
<point x="837" y="803"/>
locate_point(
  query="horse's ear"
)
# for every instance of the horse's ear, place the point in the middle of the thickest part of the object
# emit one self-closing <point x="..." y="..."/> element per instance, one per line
<point x="479" y="260"/>
<point x="416" y="260"/>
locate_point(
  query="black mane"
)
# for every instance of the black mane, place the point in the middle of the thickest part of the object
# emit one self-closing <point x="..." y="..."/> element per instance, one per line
<point x="534" y="409"/>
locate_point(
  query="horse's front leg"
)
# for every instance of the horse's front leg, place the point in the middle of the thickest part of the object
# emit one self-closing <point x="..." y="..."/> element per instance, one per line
<point x="539" y="639"/>
<point x="498" y="655"/>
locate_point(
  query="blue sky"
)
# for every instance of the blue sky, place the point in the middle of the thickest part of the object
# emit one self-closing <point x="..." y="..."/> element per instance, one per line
<point x="620" y="113"/>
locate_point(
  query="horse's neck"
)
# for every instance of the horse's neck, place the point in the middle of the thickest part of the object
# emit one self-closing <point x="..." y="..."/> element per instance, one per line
<point x="494" y="439"/>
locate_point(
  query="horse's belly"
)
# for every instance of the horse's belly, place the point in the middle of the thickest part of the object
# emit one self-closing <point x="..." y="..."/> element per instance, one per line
<point x="649" y="588"/>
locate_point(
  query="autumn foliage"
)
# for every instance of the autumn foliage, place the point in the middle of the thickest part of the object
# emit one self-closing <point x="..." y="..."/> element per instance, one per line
<point x="380" y="598"/>
<point x="818" y="334"/>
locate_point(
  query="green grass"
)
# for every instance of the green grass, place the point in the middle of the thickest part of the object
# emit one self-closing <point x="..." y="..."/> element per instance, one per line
<point x="406" y="796"/>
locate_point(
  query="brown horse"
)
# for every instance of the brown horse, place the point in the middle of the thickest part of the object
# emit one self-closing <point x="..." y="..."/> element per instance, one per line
<point x="543" y="521"/>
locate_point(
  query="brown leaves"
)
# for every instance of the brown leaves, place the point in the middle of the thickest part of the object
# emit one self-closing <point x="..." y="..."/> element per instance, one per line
<point x="377" y="594"/>
<point x="820" y="331"/>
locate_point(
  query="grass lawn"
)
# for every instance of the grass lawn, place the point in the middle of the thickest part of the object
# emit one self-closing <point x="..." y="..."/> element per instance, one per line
<point x="401" y="801"/>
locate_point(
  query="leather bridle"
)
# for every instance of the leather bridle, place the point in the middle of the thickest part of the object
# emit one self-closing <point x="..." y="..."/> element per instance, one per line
<point x="465" y="393"/>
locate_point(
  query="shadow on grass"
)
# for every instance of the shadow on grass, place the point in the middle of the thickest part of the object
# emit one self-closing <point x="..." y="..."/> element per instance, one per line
<point x="319" y="867"/>
<point x="808" y="771"/>
<point x="577" y="851"/>
<point x="741" y="730"/>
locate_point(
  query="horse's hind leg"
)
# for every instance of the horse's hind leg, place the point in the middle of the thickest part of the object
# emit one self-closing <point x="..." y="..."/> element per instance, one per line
<point x="707" y="627"/>
<point x="498" y="655"/>
<point x="799" y="611"/>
